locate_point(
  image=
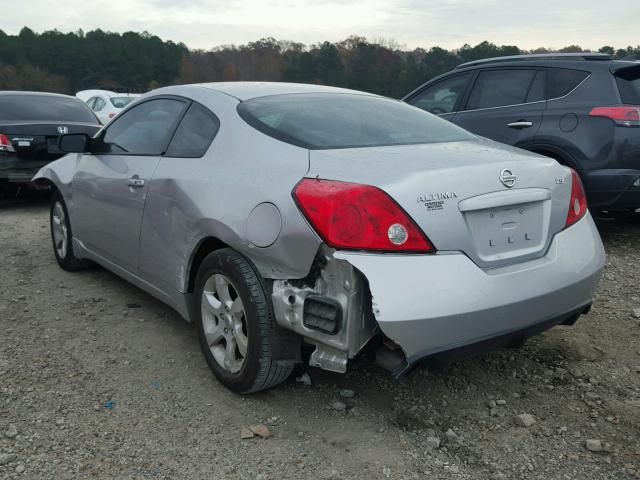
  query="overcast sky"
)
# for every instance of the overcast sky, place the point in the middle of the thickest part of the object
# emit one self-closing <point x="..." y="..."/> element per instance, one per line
<point x="412" y="23"/>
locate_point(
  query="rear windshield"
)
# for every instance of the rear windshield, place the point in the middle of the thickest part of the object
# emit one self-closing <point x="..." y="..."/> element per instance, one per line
<point x="629" y="85"/>
<point x="330" y="120"/>
<point x="19" y="108"/>
<point x="121" y="102"/>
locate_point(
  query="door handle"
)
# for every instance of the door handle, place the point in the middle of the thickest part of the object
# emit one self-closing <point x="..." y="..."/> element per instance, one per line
<point x="520" y="124"/>
<point x="135" y="182"/>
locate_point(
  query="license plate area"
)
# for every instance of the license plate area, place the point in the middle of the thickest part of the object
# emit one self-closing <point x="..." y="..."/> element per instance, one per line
<point x="509" y="231"/>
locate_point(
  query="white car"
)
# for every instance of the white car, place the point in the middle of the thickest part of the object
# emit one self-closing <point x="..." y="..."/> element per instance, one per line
<point x="106" y="104"/>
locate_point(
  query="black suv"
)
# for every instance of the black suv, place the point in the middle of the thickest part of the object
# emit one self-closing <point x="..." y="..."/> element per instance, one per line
<point x="581" y="109"/>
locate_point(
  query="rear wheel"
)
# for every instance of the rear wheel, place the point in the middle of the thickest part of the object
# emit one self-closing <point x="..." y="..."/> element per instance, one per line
<point x="61" y="236"/>
<point x="235" y="323"/>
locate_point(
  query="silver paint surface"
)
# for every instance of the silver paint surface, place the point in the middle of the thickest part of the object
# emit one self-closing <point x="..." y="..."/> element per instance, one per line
<point x="481" y="283"/>
<point x="264" y="225"/>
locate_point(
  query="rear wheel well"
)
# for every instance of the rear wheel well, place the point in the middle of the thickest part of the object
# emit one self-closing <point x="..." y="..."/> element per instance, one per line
<point x="205" y="247"/>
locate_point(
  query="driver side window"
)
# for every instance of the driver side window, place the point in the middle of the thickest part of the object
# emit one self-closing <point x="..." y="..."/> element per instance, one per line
<point x="443" y="96"/>
<point x="144" y="130"/>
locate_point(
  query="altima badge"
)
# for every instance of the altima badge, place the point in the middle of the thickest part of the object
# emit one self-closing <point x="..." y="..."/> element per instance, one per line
<point x="507" y="178"/>
<point x="435" y="201"/>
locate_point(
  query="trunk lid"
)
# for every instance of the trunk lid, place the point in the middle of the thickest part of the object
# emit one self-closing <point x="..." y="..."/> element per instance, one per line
<point x="497" y="204"/>
<point x="39" y="140"/>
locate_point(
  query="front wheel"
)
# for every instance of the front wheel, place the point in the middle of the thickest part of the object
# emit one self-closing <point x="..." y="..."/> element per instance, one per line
<point x="235" y="323"/>
<point x="61" y="236"/>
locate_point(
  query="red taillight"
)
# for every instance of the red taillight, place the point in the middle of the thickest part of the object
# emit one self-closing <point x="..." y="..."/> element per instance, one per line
<point x="578" y="201"/>
<point x="624" y="116"/>
<point x="5" y="144"/>
<point x="358" y="217"/>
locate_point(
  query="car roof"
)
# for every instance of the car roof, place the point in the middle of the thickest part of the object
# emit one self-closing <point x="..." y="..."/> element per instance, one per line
<point x="576" y="61"/>
<point x="247" y="90"/>
<point x="537" y="57"/>
<point x="106" y="93"/>
<point x="43" y="94"/>
<point x="586" y="65"/>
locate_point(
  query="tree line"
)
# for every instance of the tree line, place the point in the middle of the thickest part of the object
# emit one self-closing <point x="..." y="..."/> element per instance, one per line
<point x="68" y="62"/>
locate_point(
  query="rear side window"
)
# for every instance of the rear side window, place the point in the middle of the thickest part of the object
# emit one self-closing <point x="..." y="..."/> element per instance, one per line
<point x="443" y="96"/>
<point x="628" y="81"/>
<point x="500" y="88"/>
<point x="144" y="129"/>
<point x="561" y="81"/>
<point x="536" y="92"/>
<point x="21" y="108"/>
<point x="195" y="133"/>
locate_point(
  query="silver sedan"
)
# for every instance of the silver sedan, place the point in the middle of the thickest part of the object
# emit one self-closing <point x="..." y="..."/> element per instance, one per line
<point x="274" y="215"/>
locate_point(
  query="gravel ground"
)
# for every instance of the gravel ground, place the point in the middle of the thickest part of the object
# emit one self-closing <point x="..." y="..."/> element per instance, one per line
<point x="100" y="380"/>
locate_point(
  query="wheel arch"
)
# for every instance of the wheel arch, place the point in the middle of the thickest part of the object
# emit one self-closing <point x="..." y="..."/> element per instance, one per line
<point x="59" y="175"/>
<point x="46" y="182"/>
<point x="204" y="247"/>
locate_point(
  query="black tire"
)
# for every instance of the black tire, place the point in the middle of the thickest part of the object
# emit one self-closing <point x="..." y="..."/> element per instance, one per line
<point x="259" y="370"/>
<point x="65" y="258"/>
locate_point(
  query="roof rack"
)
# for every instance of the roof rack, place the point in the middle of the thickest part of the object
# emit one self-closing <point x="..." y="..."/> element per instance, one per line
<point x="540" y="56"/>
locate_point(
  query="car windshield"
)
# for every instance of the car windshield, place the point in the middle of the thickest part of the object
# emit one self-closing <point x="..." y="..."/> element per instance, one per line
<point x="18" y="108"/>
<point x="121" y="102"/>
<point x="629" y="85"/>
<point x="335" y="120"/>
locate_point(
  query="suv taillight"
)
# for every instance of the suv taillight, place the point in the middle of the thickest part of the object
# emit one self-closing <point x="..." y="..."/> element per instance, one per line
<point x="578" y="201"/>
<point x="5" y="144"/>
<point x="358" y="217"/>
<point x="625" y="116"/>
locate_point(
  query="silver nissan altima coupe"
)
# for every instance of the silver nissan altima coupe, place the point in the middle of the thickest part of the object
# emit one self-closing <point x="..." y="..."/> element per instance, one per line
<point x="274" y="215"/>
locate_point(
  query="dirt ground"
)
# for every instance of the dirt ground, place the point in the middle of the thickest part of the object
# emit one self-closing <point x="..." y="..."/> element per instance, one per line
<point x="100" y="380"/>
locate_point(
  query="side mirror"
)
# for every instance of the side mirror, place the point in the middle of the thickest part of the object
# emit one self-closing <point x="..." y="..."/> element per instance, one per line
<point x="74" y="143"/>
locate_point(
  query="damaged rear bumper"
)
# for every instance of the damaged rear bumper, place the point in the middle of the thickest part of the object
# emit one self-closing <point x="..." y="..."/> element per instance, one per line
<point x="430" y="304"/>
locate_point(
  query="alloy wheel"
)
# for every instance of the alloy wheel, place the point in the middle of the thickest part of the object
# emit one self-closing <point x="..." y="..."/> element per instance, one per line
<point x="224" y="322"/>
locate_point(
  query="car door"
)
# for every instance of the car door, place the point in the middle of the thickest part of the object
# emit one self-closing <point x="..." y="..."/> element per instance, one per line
<point x="443" y="97"/>
<point x="111" y="184"/>
<point x="166" y="233"/>
<point x="506" y="105"/>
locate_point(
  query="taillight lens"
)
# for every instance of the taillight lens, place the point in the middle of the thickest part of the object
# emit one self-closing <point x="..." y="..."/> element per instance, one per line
<point x="358" y="217"/>
<point x="625" y="116"/>
<point x="5" y="144"/>
<point x="578" y="201"/>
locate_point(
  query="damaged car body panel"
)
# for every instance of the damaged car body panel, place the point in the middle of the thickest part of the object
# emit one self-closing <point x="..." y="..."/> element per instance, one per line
<point x="458" y="304"/>
<point x="347" y="227"/>
<point x="331" y="308"/>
